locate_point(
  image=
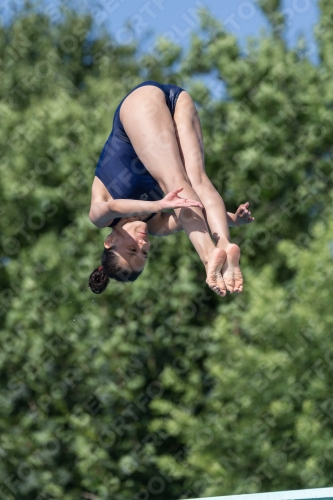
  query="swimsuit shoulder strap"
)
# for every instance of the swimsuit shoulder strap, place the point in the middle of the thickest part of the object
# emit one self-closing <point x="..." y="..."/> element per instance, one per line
<point x="115" y="221"/>
<point x="150" y="217"/>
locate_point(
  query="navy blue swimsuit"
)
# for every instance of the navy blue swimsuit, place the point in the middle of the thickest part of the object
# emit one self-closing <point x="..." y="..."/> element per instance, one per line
<point x="119" y="167"/>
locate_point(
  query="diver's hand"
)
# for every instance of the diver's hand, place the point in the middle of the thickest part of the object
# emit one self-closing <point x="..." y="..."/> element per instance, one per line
<point x="172" y="200"/>
<point x="243" y="215"/>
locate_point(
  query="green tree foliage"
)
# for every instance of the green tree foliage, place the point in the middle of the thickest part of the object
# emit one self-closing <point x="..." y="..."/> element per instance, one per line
<point x="266" y="423"/>
<point x="158" y="388"/>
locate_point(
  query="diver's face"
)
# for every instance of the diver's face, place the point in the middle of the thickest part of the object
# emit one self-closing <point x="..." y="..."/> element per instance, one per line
<point x="130" y="241"/>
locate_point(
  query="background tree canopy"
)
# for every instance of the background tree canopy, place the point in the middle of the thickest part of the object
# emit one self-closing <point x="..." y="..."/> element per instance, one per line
<point x="159" y="388"/>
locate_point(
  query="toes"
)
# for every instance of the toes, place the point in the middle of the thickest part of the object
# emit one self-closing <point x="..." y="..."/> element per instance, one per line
<point x="218" y="290"/>
<point x="221" y="284"/>
<point x="228" y="279"/>
<point x="238" y="284"/>
<point x="213" y="286"/>
<point x="229" y="283"/>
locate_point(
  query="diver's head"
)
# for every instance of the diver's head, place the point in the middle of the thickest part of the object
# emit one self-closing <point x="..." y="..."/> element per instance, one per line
<point x="125" y="254"/>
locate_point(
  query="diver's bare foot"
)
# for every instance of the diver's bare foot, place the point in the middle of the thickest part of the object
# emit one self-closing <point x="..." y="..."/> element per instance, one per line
<point x="213" y="269"/>
<point x="231" y="272"/>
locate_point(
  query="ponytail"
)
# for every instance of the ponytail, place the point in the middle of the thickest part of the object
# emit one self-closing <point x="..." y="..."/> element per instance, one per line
<point x="100" y="277"/>
<point x="98" y="280"/>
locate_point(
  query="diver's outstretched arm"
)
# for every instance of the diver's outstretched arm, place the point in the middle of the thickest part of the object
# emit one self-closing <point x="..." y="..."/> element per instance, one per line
<point x="102" y="213"/>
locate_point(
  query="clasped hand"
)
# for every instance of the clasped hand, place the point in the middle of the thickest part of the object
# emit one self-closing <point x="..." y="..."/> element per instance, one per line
<point x="172" y="200"/>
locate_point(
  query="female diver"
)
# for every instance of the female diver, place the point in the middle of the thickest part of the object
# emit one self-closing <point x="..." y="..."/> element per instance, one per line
<point x="156" y="147"/>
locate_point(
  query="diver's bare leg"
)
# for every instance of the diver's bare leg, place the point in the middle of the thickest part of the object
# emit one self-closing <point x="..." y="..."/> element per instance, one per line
<point x="189" y="136"/>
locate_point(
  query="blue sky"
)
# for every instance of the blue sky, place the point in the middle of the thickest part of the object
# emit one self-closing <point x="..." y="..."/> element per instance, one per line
<point x="175" y="18"/>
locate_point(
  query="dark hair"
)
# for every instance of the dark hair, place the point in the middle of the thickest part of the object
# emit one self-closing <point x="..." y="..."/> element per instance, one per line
<point x="100" y="277"/>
